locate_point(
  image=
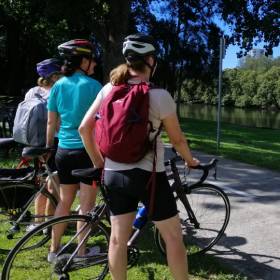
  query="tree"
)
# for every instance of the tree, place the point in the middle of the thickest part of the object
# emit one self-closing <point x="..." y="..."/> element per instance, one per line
<point x="252" y="21"/>
<point x="268" y="93"/>
<point x="31" y="37"/>
<point x="186" y="33"/>
<point x="260" y="64"/>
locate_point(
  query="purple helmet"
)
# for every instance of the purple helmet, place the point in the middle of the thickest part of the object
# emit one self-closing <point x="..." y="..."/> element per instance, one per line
<point x="48" y="66"/>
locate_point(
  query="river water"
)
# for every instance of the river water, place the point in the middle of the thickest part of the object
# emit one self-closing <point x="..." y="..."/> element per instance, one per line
<point x="246" y="117"/>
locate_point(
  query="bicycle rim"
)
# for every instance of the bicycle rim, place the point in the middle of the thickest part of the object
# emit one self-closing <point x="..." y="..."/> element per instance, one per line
<point x="17" y="197"/>
<point x="33" y="262"/>
<point x="211" y="208"/>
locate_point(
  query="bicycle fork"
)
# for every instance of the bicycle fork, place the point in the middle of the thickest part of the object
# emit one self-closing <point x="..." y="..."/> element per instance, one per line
<point x="183" y="198"/>
<point x="180" y="190"/>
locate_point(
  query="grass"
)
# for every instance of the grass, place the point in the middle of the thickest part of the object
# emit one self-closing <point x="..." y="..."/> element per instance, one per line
<point x="151" y="265"/>
<point x="257" y="146"/>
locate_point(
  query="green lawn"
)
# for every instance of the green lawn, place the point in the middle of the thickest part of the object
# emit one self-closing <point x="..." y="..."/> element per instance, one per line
<point x="257" y="146"/>
<point x="152" y="265"/>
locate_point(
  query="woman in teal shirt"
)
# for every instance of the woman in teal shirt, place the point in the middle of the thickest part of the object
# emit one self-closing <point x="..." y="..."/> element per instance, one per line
<point x="69" y="100"/>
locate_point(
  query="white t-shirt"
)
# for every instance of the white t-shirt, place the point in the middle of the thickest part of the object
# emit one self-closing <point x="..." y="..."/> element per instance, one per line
<point x="44" y="93"/>
<point x="161" y="106"/>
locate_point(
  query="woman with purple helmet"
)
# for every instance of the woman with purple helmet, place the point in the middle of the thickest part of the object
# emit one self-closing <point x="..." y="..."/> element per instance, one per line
<point x="49" y="71"/>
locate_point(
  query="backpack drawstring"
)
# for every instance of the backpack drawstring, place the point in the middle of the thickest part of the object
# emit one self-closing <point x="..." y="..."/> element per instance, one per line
<point x="151" y="185"/>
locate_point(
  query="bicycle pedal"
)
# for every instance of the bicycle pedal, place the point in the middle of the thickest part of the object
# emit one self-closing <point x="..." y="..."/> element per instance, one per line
<point x="60" y="263"/>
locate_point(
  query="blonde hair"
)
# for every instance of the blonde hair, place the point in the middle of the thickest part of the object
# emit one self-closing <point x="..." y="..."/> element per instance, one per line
<point x="41" y="82"/>
<point x="121" y="75"/>
<point x="48" y="82"/>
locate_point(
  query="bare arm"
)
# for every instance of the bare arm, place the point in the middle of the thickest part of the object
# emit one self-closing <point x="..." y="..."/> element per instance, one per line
<point x="51" y="127"/>
<point x="86" y="131"/>
<point x="178" y="140"/>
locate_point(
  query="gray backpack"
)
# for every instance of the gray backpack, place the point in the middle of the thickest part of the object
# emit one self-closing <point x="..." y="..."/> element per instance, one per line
<point x="30" y="124"/>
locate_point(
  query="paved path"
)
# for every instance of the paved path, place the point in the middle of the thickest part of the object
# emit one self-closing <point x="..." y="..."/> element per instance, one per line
<point x="252" y="241"/>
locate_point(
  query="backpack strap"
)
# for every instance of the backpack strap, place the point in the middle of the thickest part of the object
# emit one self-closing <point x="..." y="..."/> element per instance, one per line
<point x="152" y="181"/>
<point x="38" y="95"/>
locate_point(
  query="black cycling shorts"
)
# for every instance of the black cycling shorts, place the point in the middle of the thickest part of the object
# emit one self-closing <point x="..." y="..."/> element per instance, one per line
<point x="51" y="160"/>
<point x="67" y="160"/>
<point x="126" y="188"/>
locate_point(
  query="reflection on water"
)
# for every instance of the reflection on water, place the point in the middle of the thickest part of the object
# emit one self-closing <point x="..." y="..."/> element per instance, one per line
<point x="246" y="117"/>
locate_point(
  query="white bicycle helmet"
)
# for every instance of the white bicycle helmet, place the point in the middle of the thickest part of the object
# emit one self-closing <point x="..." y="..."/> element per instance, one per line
<point x="137" y="45"/>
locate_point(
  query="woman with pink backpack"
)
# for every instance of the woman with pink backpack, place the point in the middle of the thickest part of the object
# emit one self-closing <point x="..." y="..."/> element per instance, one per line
<point x="126" y="182"/>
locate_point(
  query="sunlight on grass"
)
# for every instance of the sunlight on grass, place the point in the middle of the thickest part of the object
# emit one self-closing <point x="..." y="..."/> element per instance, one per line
<point x="256" y="146"/>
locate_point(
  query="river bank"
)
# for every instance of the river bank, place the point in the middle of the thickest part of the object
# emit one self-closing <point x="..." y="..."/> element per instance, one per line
<point x="241" y="116"/>
<point x="257" y="146"/>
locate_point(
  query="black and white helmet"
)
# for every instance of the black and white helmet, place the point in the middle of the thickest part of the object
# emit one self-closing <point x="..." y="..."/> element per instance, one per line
<point x="137" y="45"/>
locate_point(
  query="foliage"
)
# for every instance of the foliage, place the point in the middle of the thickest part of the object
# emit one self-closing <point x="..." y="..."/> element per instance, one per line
<point x="186" y="33"/>
<point x="260" y="64"/>
<point x="252" y="21"/>
<point x="253" y="85"/>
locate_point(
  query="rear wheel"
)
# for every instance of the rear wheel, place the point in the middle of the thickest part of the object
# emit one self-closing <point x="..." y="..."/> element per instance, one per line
<point x="33" y="263"/>
<point x="15" y="200"/>
<point x="211" y="209"/>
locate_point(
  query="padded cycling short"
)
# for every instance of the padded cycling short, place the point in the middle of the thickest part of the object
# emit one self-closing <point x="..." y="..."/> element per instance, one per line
<point x="126" y="188"/>
<point x="51" y="160"/>
<point x="67" y="160"/>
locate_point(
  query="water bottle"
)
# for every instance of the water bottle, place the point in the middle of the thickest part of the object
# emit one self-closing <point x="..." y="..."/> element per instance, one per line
<point x="141" y="218"/>
<point x="139" y="222"/>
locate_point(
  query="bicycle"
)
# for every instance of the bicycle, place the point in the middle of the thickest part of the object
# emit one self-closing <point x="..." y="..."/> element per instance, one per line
<point x="19" y="188"/>
<point x="95" y="232"/>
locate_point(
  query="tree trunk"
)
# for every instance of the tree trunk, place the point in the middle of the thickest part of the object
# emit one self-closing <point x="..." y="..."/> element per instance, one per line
<point x="179" y="90"/>
<point x="13" y="58"/>
<point x="116" y="31"/>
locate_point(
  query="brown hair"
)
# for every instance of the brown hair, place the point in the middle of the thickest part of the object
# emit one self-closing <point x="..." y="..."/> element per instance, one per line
<point x="120" y="74"/>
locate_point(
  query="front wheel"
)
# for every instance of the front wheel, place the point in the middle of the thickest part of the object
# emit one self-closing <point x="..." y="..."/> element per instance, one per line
<point x="17" y="212"/>
<point x="211" y="209"/>
<point x="33" y="263"/>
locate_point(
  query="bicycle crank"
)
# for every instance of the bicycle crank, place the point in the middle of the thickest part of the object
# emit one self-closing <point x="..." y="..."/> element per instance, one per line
<point x="133" y="254"/>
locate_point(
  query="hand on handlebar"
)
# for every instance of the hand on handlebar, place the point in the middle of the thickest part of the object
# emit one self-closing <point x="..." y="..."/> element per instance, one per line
<point x="193" y="163"/>
<point x="48" y="153"/>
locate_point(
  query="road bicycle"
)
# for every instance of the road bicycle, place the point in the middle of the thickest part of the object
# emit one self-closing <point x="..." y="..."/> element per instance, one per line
<point x="19" y="188"/>
<point x="204" y="212"/>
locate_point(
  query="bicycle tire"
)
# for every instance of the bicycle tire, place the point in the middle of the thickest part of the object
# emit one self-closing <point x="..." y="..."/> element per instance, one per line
<point x="18" y="196"/>
<point x="33" y="262"/>
<point x="211" y="207"/>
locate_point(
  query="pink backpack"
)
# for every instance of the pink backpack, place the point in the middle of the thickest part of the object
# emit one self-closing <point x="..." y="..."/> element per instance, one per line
<point x="123" y="127"/>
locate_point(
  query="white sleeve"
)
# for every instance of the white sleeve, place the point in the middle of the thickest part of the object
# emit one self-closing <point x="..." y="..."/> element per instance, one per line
<point x="164" y="103"/>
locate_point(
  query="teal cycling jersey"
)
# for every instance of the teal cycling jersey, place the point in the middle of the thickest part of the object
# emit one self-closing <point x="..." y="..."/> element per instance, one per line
<point x="70" y="98"/>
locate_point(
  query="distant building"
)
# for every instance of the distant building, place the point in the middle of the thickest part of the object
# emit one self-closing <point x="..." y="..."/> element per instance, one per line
<point x="256" y="53"/>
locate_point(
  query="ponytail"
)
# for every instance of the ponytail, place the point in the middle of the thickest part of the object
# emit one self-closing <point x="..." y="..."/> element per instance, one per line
<point x="42" y="82"/>
<point x="71" y="65"/>
<point x="121" y="75"/>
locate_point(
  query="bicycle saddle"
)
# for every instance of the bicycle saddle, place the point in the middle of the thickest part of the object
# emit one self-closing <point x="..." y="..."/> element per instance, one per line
<point x="88" y="175"/>
<point x="7" y="143"/>
<point x="33" y="152"/>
